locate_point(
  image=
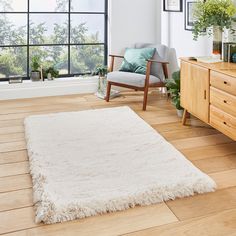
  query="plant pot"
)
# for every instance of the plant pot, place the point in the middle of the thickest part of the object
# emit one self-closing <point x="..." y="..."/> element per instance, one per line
<point x="180" y="113"/>
<point x="35" y="76"/>
<point x="49" y="76"/>
<point x="217" y="42"/>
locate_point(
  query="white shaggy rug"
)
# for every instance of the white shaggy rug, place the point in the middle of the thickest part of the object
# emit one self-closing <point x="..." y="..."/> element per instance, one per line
<point x="92" y="162"/>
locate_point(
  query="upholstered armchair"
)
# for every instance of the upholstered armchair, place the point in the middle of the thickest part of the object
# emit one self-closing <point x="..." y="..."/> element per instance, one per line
<point x="156" y="73"/>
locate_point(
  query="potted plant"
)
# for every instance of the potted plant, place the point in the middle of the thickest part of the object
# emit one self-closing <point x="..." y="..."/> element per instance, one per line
<point x="173" y="88"/>
<point x="52" y="73"/>
<point x="212" y="17"/>
<point x="35" y="68"/>
<point x="102" y="71"/>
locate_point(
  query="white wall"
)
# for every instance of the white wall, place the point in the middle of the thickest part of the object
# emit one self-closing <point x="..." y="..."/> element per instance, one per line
<point x="174" y="35"/>
<point x="132" y="21"/>
<point x="158" y="20"/>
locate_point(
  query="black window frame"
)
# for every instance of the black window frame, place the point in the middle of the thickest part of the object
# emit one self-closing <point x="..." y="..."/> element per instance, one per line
<point x="69" y="44"/>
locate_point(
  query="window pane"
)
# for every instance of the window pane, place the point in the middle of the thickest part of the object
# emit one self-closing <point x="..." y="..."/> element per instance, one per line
<point x="49" y="6"/>
<point x="88" y="5"/>
<point x="84" y="59"/>
<point x="13" y="5"/>
<point x="87" y="28"/>
<point x="48" y="29"/>
<point x="56" y="56"/>
<point x="13" y="29"/>
<point x="13" y="61"/>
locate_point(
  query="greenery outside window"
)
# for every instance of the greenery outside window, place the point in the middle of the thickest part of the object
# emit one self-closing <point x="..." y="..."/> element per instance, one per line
<point x="70" y="35"/>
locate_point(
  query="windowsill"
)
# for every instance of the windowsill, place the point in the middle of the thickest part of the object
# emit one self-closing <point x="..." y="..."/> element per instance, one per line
<point x="29" y="83"/>
<point x="57" y="87"/>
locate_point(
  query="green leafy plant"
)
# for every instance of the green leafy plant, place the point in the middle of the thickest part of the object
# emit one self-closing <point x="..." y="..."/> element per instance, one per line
<point x="35" y="63"/>
<point x="101" y="71"/>
<point x="53" y="71"/>
<point x="173" y="88"/>
<point x="208" y="13"/>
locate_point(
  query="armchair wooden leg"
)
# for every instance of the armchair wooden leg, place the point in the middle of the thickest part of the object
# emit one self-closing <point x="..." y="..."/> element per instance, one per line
<point x="184" y="117"/>
<point x="145" y="98"/>
<point x="108" y="91"/>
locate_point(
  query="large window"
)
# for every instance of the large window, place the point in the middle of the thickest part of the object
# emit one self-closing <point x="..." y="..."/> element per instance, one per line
<point x="70" y="35"/>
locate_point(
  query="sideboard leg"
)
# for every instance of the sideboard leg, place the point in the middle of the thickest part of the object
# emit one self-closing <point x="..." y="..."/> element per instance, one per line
<point x="184" y="117"/>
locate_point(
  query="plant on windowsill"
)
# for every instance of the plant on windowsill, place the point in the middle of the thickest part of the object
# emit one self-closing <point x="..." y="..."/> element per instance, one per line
<point x="173" y="88"/>
<point x="211" y="18"/>
<point x="51" y="73"/>
<point x="35" y="68"/>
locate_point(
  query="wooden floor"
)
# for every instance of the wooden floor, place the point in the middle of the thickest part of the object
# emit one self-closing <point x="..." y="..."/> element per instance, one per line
<point x="212" y="152"/>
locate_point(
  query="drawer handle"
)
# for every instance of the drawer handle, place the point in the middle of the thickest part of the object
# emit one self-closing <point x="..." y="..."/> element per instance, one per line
<point x="225" y="123"/>
<point x="226" y="83"/>
<point x="225" y="101"/>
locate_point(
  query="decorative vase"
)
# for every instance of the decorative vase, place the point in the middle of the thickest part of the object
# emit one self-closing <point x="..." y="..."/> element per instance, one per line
<point x="102" y="88"/>
<point x="102" y="84"/>
<point x="217" y="42"/>
<point x="49" y="76"/>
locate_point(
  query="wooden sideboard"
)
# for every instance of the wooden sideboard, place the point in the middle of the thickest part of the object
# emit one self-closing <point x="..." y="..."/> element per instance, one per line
<point x="208" y="91"/>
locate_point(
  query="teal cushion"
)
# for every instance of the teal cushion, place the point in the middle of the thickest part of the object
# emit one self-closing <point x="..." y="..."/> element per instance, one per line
<point x="135" y="59"/>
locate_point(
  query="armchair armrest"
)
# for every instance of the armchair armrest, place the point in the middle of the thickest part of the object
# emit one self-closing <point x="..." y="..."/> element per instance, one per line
<point x="111" y="55"/>
<point x="164" y="66"/>
<point x="161" y="62"/>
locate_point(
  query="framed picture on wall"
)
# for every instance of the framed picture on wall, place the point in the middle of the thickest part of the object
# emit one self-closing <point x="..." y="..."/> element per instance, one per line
<point x="189" y="17"/>
<point x="173" y="5"/>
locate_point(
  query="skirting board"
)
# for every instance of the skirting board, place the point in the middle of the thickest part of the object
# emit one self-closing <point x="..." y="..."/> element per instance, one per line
<point x="57" y="87"/>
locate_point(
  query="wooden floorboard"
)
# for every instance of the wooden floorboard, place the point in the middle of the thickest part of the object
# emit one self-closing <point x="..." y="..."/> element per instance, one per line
<point x="216" y="164"/>
<point x="18" y="168"/>
<point x="201" y="141"/>
<point x="219" y="224"/>
<point x="201" y="205"/>
<point x="12" y="137"/>
<point x="188" y="133"/>
<point x="209" y="150"/>
<point x="15" y="182"/>
<point x="198" y="153"/>
<point x="193" y="124"/>
<point x="7" y="123"/>
<point x="15" y="199"/>
<point x="225" y="179"/>
<point x="22" y="115"/>
<point x="105" y="225"/>
<point x="11" y="130"/>
<point x="13" y="157"/>
<point x="17" y="219"/>
<point x="13" y="146"/>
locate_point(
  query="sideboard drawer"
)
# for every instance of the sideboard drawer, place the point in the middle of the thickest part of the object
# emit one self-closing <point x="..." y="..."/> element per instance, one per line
<point x="223" y="122"/>
<point x="223" y="82"/>
<point x="224" y="101"/>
